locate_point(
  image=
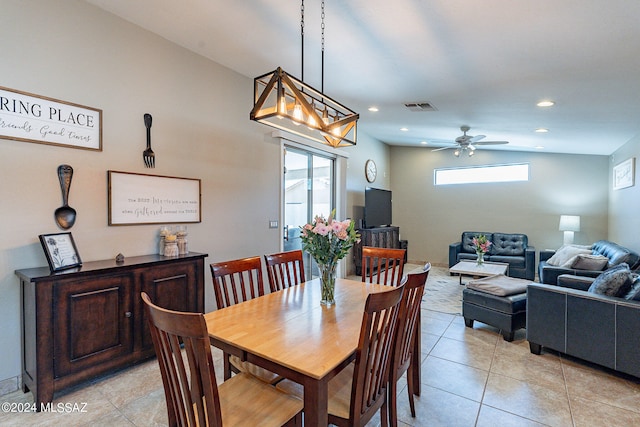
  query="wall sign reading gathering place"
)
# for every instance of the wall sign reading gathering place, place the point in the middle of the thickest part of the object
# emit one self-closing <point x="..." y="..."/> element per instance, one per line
<point x="33" y="118"/>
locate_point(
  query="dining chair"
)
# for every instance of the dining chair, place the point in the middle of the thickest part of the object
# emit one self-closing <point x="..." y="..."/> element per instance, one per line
<point x="406" y="334"/>
<point x="188" y="376"/>
<point x="382" y="265"/>
<point x="285" y="269"/>
<point x="360" y="389"/>
<point x="237" y="280"/>
<point x="234" y="282"/>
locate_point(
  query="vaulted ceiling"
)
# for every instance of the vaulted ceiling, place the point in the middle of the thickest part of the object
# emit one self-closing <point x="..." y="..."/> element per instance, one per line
<point x="481" y="63"/>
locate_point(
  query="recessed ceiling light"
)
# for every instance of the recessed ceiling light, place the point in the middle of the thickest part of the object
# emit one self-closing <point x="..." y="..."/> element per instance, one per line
<point x="542" y="130"/>
<point x="404" y="129"/>
<point x="373" y="109"/>
<point x="423" y="142"/>
<point x="539" y="147"/>
<point x="546" y="104"/>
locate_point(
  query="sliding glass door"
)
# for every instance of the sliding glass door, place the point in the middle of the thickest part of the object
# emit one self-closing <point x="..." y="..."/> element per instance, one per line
<point x="309" y="190"/>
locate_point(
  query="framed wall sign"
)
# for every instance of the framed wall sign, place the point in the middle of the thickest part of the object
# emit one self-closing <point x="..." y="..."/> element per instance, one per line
<point x="34" y="118"/>
<point x="60" y="250"/>
<point x="152" y="199"/>
<point x="624" y="174"/>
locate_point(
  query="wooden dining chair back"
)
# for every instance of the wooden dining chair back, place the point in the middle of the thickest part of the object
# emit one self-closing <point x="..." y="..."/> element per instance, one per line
<point x="285" y="269"/>
<point x="406" y="334"/>
<point x="189" y="379"/>
<point x="369" y="375"/>
<point x="382" y="266"/>
<point x="237" y="280"/>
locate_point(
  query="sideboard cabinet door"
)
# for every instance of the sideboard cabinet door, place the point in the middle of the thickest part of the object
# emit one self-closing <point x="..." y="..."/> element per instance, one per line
<point x="173" y="287"/>
<point x="92" y="322"/>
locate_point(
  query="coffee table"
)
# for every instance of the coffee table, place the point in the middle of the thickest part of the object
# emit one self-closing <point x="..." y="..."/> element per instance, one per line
<point x="473" y="269"/>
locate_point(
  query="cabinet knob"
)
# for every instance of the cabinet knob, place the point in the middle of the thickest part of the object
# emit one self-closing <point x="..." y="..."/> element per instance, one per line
<point x="127" y="314"/>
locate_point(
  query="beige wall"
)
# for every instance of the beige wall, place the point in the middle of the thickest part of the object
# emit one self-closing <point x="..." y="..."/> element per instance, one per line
<point x="74" y="52"/>
<point x="624" y="204"/>
<point x="431" y="218"/>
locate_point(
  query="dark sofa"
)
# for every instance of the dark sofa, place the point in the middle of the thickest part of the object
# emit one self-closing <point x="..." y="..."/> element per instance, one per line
<point x="512" y="249"/>
<point x="597" y="328"/>
<point x="617" y="254"/>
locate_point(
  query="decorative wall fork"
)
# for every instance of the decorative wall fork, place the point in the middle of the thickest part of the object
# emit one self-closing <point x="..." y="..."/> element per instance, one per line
<point x="148" y="155"/>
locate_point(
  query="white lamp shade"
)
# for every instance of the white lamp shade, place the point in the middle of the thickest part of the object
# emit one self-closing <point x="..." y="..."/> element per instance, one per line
<point x="569" y="223"/>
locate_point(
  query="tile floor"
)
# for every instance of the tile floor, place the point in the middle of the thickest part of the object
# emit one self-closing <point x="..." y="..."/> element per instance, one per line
<point x="470" y="377"/>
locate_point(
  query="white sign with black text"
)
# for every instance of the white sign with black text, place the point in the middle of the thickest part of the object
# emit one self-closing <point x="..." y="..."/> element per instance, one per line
<point x="34" y="118"/>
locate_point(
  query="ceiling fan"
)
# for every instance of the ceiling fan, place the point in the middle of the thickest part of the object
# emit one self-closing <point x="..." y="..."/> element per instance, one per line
<point x="468" y="143"/>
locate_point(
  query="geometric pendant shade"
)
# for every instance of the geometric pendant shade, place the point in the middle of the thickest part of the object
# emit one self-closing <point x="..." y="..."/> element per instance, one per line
<point x="284" y="102"/>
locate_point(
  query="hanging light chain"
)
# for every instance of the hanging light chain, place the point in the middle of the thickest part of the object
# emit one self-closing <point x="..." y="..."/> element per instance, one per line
<point x="302" y="37"/>
<point x="322" y="46"/>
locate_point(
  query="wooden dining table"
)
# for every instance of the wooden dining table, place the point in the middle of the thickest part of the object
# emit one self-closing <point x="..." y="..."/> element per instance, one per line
<point x="290" y="333"/>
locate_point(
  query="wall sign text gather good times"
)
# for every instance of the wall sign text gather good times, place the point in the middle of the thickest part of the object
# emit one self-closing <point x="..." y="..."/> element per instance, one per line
<point x="33" y="118"/>
<point x="152" y="199"/>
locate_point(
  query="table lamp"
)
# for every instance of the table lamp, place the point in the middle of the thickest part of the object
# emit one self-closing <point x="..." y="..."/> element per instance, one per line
<point x="569" y="224"/>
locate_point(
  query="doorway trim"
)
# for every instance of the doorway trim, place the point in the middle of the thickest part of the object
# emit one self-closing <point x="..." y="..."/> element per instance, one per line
<point x="340" y="170"/>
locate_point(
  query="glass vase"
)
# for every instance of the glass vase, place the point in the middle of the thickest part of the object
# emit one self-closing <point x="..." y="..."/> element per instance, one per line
<point x="480" y="259"/>
<point x="327" y="283"/>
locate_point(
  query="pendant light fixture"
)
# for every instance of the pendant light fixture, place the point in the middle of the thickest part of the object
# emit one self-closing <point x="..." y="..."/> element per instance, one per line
<point x="284" y="102"/>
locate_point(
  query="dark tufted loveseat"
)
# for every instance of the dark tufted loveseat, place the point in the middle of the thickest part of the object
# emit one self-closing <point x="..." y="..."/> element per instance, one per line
<point x="617" y="254"/>
<point x="510" y="248"/>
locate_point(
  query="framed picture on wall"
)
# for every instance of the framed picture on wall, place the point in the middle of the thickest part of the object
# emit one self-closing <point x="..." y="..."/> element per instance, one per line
<point x="60" y="250"/>
<point x="624" y="174"/>
<point x="152" y="199"/>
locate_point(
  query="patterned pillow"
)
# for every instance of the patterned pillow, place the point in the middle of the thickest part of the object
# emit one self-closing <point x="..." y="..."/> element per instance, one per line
<point x="634" y="293"/>
<point x="614" y="282"/>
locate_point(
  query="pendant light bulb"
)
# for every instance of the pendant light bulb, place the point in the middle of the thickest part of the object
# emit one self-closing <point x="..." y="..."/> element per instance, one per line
<point x="282" y="106"/>
<point x="312" y="121"/>
<point x="325" y="116"/>
<point x="297" y="113"/>
<point x="336" y="130"/>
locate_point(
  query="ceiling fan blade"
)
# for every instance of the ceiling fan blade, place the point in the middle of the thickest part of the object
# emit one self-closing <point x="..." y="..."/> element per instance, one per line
<point x="476" y="138"/>
<point x="441" y="148"/>
<point x="491" y="142"/>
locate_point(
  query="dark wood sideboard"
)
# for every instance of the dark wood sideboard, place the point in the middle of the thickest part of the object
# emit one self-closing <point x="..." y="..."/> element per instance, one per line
<point x="379" y="237"/>
<point x="81" y="323"/>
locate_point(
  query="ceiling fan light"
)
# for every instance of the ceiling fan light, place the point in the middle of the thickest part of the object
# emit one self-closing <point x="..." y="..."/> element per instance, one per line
<point x="457" y="152"/>
<point x="471" y="153"/>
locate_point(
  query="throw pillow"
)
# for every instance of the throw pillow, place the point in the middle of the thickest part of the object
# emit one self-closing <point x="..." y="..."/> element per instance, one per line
<point x="590" y="262"/>
<point x="614" y="282"/>
<point x="634" y="293"/>
<point x="566" y="252"/>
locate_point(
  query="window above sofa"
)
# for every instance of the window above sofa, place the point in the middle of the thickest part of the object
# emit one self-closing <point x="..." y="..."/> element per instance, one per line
<point x="481" y="174"/>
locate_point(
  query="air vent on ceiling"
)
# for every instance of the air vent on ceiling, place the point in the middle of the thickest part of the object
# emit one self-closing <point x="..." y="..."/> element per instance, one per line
<point x="420" y="106"/>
